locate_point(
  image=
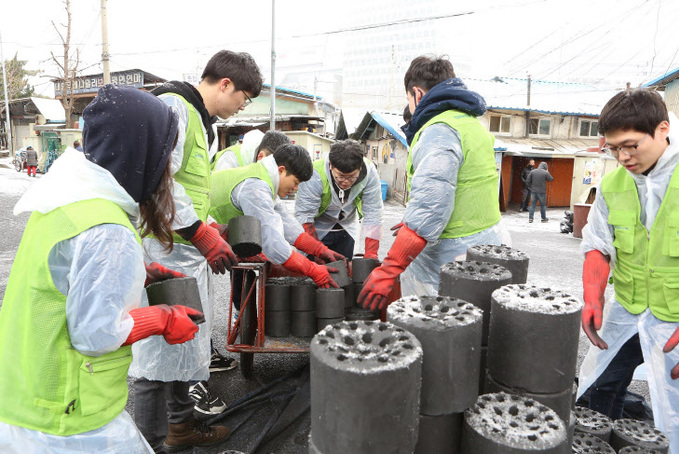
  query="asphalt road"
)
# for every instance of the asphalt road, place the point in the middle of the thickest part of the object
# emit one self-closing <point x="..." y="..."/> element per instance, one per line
<point x="555" y="262"/>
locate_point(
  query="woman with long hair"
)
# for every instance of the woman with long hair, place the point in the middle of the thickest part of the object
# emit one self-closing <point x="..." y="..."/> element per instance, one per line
<point x="70" y="311"/>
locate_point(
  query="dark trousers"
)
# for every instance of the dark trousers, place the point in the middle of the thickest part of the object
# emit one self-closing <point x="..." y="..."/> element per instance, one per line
<point x="607" y="393"/>
<point x="535" y="197"/>
<point x="525" y="199"/>
<point x="340" y="241"/>
<point x="157" y="403"/>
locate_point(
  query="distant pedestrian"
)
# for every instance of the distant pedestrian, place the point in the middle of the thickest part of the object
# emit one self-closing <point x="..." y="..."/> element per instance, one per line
<point x="537" y="182"/>
<point x="77" y="145"/>
<point x="525" y="197"/>
<point x="31" y="160"/>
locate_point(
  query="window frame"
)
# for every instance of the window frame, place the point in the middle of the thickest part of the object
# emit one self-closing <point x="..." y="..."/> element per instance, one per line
<point x="592" y="123"/>
<point x="502" y="118"/>
<point x="540" y="119"/>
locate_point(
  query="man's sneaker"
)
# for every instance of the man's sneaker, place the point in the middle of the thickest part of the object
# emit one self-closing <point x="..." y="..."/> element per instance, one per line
<point x="193" y="433"/>
<point x="219" y="363"/>
<point x="530" y="220"/>
<point x="545" y="220"/>
<point x="206" y="403"/>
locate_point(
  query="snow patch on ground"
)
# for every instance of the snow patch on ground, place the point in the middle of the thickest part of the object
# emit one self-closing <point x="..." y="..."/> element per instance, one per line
<point x="13" y="183"/>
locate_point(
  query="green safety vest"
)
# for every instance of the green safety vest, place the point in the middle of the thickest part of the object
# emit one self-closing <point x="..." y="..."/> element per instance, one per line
<point x="326" y="195"/>
<point x="195" y="172"/>
<point x="223" y="183"/>
<point x="235" y="149"/>
<point x="646" y="272"/>
<point x="477" y="206"/>
<point x="46" y="384"/>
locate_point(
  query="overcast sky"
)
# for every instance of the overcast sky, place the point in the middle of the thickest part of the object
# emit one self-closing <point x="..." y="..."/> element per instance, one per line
<point x="602" y="41"/>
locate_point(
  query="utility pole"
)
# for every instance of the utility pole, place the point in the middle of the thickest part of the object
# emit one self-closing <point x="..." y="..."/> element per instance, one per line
<point x="272" y="121"/>
<point x="104" y="44"/>
<point x="8" y="124"/>
<point x="528" y="109"/>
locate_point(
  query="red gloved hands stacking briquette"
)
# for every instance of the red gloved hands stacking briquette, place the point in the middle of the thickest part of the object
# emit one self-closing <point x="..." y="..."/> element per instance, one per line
<point x="174" y="323"/>
<point x="319" y="273"/>
<point x="307" y="243"/>
<point x="214" y="248"/>
<point x="376" y="288"/>
<point x="595" y="272"/>
<point x="371" y="248"/>
<point x="155" y="272"/>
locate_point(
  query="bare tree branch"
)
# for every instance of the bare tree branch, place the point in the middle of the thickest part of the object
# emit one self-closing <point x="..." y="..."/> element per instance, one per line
<point x="68" y="67"/>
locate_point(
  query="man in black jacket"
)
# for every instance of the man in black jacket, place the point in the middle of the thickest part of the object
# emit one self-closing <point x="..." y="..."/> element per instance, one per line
<point x="537" y="182"/>
<point x="525" y="199"/>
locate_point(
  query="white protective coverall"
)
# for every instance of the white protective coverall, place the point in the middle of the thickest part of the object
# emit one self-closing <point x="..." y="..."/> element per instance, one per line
<point x="280" y="229"/>
<point x="153" y="358"/>
<point x="229" y="160"/>
<point x="437" y="158"/>
<point x="102" y="273"/>
<point x="308" y="201"/>
<point x="619" y="325"/>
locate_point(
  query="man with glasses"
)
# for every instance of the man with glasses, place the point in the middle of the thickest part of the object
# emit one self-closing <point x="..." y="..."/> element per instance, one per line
<point x="344" y="188"/>
<point x="452" y="181"/>
<point x="164" y="372"/>
<point x="633" y="228"/>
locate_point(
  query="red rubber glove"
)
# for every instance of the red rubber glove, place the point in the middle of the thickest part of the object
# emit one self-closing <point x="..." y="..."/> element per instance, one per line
<point x="669" y="346"/>
<point x="594" y="279"/>
<point x="310" y="228"/>
<point x="259" y="258"/>
<point x="306" y="243"/>
<point x="174" y="323"/>
<point x="216" y="251"/>
<point x="320" y="274"/>
<point x="155" y="272"/>
<point x="222" y="229"/>
<point x="371" y="248"/>
<point x="377" y="287"/>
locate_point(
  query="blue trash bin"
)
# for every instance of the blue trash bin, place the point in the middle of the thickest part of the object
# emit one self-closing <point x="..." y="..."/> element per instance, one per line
<point x="385" y="186"/>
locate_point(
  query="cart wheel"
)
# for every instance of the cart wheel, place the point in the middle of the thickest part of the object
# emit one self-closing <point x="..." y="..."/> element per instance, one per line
<point x="248" y="325"/>
<point x="17" y="164"/>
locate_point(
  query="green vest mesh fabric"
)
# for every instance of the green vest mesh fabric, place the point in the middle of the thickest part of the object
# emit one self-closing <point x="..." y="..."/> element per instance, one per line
<point x="46" y="384"/>
<point x="326" y="195"/>
<point x="235" y="149"/>
<point x="223" y="183"/>
<point x="477" y="205"/>
<point x="195" y="172"/>
<point x="646" y="272"/>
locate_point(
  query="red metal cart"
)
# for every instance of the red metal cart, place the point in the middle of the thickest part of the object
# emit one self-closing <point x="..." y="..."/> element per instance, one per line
<point x="248" y="328"/>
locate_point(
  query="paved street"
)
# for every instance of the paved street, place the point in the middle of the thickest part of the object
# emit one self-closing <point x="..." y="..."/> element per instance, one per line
<point x="555" y="261"/>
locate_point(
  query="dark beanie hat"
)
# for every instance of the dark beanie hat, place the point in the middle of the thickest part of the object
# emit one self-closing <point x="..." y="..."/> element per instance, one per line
<point x="131" y="134"/>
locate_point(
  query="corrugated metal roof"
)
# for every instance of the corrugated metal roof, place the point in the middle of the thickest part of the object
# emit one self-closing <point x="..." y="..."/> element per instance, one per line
<point x="392" y="122"/>
<point x="661" y="82"/>
<point x="51" y="109"/>
<point x="560" y="98"/>
<point x="290" y="90"/>
<point x="544" y="147"/>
